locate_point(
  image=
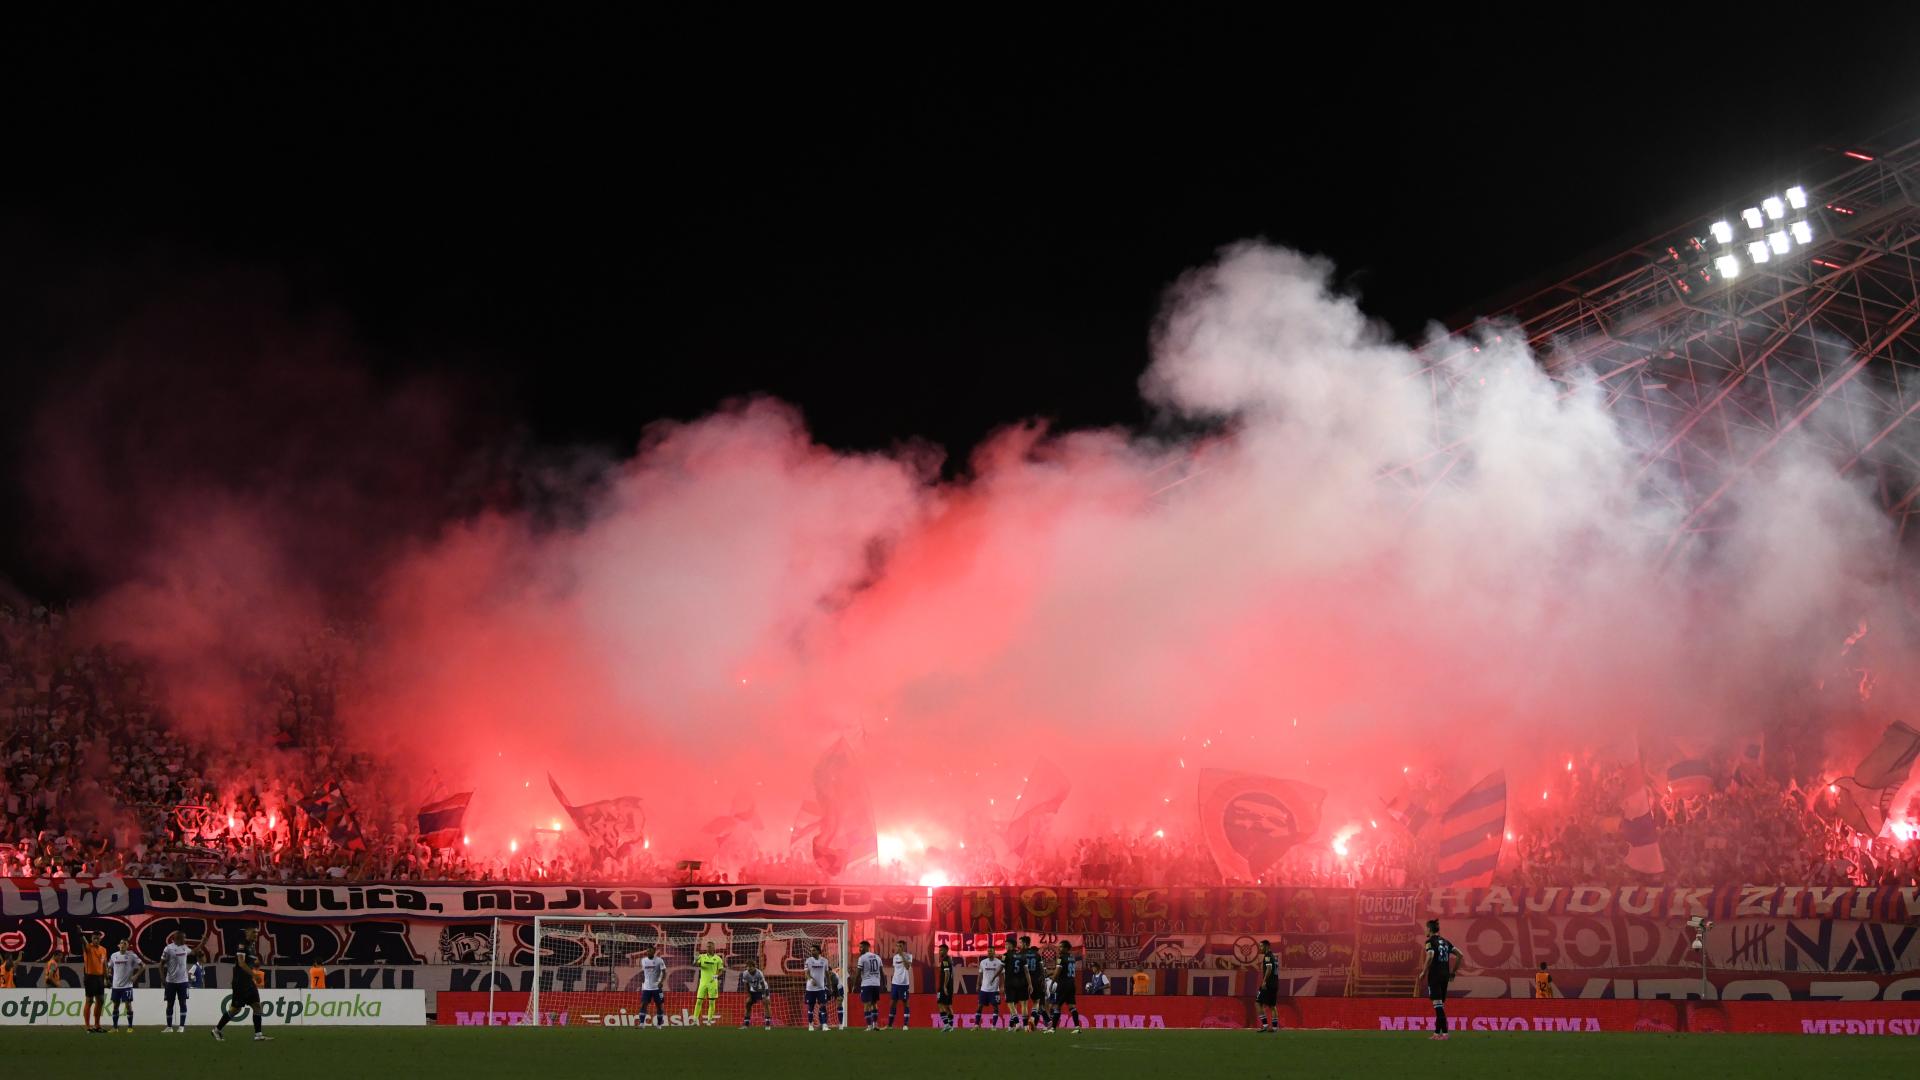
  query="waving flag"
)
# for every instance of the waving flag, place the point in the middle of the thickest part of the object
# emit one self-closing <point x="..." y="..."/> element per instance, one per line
<point x="1471" y="833"/>
<point x="741" y="818"/>
<point x="1888" y="763"/>
<point x="331" y="811"/>
<point x="611" y="826"/>
<point x="839" y="825"/>
<point x="1683" y="765"/>
<point x="1046" y="789"/>
<point x="440" y="822"/>
<point x="1409" y="808"/>
<point x="1690" y="777"/>
<point x="1864" y="809"/>
<point x="1250" y="821"/>
<point x="1866" y="797"/>
<point x="1639" y="831"/>
<point x="1750" y="765"/>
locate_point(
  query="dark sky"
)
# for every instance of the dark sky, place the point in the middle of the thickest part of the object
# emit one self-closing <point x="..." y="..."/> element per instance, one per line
<point x="910" y="231"/>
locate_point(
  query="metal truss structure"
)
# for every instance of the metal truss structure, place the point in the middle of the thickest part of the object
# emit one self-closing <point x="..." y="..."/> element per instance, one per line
<point x="1719" y="374"/>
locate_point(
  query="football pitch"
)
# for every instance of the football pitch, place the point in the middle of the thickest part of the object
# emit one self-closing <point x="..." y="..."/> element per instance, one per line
<point x="428" y="1053"/>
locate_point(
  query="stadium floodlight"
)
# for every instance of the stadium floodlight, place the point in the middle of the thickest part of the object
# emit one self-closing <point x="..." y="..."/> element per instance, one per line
<point x="1751" y="215"/>
<point x="1728" y="265"/>
<point x="1777" y="240"/>
<point x="1802" y="232"/>
<point x="1757" y="251"/>
<point x="1774" y="207"/>
<point x="1797" y="197"/>
<point x="1722" y="232"/>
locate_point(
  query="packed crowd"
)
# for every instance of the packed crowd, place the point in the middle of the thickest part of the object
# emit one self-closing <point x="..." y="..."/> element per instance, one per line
<point x="97" y="777"/>
<point x="1755" y="829"/>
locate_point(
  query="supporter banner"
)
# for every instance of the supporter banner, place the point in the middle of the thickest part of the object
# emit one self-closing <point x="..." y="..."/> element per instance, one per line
<point x="355" y="1008"/>
<point x="1387" y="937"/>
<point x="1615" y="940"/>
<point x="954" y="907"/>
<point x="1202" y="910"/>
<point x="380" y="943"/>
<point x="622" y="1010"/>
<point x="29" y="898"/>
<point x="373" y="944"/>
<point x="467" y="901"/>
<point x="1885" y="903"/>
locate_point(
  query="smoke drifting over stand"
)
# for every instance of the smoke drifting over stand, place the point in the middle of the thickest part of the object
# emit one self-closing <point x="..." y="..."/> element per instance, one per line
<point x="735" y="596"/>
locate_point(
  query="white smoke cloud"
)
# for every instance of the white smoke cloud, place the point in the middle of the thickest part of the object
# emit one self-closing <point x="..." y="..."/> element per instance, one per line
<point x="1134" y="609"/>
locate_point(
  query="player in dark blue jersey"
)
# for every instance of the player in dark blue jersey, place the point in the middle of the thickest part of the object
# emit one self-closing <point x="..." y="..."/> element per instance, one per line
<point x="1267" y="1003"/>
<point x="1036" y="984"/>
<point x="943" y="988"/>
<point x="1018" y="995"/>
<point x="1066" y="996"/>
<point x="1442" y="964"/>
<point x="246" y="987"/>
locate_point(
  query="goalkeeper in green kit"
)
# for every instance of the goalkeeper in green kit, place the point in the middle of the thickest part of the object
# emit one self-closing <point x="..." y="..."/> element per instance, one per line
<point x="711" y="966"/>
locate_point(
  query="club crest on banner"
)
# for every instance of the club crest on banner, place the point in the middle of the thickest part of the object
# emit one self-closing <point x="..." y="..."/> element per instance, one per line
<point x="465" y="945"/>
<point x="1250" y="821"/>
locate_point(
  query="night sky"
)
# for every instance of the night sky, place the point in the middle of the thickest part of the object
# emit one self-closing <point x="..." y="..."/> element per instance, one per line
<point x="911" y="232"/>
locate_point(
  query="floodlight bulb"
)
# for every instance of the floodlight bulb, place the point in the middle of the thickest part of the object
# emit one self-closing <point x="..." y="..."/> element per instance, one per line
<point x="1751" y="215"/>
<point x="1728" y="266"/>
<point x="1757" y="251"/>
<point x="1797" y="197"/>
<point x="1802" y="232"/>
<point x="1722" y="232"/>
<point x="1777" y="240"/>
<point x="1774" y="207"/>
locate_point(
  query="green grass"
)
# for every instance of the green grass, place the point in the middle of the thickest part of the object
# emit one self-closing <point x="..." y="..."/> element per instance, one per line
<point x="428" y="1053"/>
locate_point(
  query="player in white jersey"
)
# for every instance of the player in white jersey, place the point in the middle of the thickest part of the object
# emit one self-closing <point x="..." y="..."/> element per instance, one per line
<point x="901" y="986"/>
<point x="174" y="957"/>
<point x="653" y="987"/>
<point x="817" y="968"/>
<point x="754" y="982"/>
<point x="871" y="973"/>
<point x="123" y="966"/>
<point x="991" y="970"/>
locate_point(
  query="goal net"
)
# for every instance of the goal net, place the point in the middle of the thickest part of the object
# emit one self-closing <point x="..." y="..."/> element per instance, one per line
<point x="589" y="971"/>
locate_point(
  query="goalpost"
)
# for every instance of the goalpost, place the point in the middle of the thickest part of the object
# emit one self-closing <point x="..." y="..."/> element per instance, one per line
<point x="587" y="970"/>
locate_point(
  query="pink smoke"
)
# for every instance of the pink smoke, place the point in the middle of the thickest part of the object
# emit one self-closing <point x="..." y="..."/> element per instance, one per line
<point x="735" y="596"/>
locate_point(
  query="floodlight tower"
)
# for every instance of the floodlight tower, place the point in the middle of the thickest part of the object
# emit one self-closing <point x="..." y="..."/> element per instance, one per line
<point x="1779" y="226"/>
<point x="1721" y="340"/>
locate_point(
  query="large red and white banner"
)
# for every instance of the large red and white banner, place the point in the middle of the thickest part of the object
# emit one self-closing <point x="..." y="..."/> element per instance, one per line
<point x="1875" y="903"/>
<point x="27" y="898"/>
<point x="1600" y="942"/>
